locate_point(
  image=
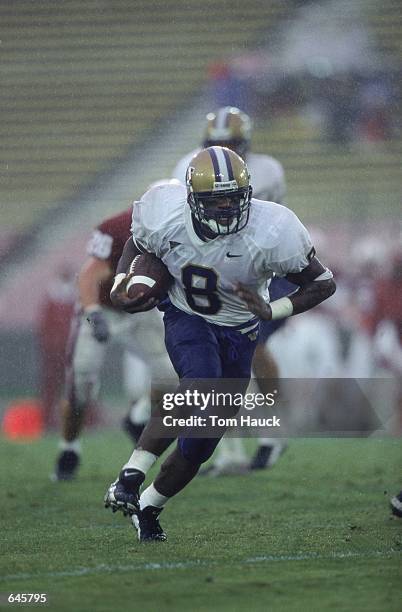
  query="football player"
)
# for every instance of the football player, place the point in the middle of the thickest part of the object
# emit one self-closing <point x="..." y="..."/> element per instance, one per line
<point x="221" y="247"/>
<point x="387" y="322"/>
<point x="232" y="128"/>
<point x="97" y="322"/>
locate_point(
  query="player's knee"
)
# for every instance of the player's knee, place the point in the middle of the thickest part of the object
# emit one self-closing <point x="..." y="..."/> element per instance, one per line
<point x="197" y="450"/>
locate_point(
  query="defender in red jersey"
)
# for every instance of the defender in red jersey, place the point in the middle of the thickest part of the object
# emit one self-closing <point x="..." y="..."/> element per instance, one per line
<point x="96" y="323"/>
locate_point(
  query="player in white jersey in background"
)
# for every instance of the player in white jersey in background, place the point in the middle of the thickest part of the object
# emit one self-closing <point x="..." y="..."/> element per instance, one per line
<point x="230" y="127"/>
<point x="202" y="233"/>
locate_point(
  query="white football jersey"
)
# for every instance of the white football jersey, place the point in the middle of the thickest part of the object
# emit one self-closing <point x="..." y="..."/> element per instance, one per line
<point x="267" y="175"/>
<point x="273" y="242"/>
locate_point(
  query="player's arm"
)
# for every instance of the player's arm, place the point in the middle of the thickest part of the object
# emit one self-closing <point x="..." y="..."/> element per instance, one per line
<point x="315" y="283"/>
<point x="92" y="274"/>
<point x="118" y="294"/>
<point x="130" y="250"/>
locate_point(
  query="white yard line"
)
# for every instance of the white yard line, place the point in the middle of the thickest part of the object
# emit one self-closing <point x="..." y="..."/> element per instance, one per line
<point x="109" y="569"/>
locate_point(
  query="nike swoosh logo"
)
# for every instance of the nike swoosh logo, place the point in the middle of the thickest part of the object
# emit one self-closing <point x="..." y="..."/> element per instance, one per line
<point x="230" y="255"/>
<point x="128" y="473"/>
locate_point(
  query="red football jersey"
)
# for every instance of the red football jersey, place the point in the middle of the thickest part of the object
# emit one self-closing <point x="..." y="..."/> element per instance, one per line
<point x="107" y="243"/>
<point x="388" y="305"/>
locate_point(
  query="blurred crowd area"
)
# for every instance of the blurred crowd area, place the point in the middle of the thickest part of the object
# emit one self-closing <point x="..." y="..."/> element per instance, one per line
<point x="324" y="66"/>
<point x="353" y="107"/>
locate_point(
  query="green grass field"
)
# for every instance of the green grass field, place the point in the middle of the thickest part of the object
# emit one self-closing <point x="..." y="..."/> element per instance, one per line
<point x="314" y="533"/>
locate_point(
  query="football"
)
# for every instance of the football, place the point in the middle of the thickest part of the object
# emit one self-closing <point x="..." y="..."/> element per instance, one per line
<point x="150" y="277"/>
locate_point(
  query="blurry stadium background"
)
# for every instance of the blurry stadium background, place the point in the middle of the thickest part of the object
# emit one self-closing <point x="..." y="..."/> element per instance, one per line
<point x="100" y="98"/>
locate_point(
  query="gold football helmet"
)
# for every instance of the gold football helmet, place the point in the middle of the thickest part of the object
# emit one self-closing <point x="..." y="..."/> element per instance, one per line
<point x="219" y="191"/>
<point x="228" y="127"/>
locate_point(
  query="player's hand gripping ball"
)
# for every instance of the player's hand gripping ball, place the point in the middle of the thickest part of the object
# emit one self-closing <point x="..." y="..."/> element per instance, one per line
<point x="144" y="286"/>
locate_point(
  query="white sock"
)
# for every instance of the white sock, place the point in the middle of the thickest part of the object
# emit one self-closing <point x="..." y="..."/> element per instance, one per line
<point x="74" y="446"/>
<point x="141" y="460"/>
<point x="238" y="450"/>
<point x="151" y="497"/>
<point x="230" y="450"/>
<point x="140" y="410"/>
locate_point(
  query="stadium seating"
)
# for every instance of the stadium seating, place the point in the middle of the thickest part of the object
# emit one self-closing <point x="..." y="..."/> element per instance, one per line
<point x="328" y="183"/>
<point x="83" y="84"/>
<point x="356" y="182"/>
<point x="386" y="22"/>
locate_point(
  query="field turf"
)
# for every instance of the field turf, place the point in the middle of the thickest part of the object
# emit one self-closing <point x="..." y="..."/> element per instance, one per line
<point x="314" y="533"/>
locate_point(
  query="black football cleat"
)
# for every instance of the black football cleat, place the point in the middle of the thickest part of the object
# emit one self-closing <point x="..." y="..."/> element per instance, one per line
<point x="124" y="493"/>
<point x="134" y="431"/>
<point x="147" y="524"/>
<point x="267" y="455"/>
<point x="66" y="466"/>
<point x="396" y="505"/>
